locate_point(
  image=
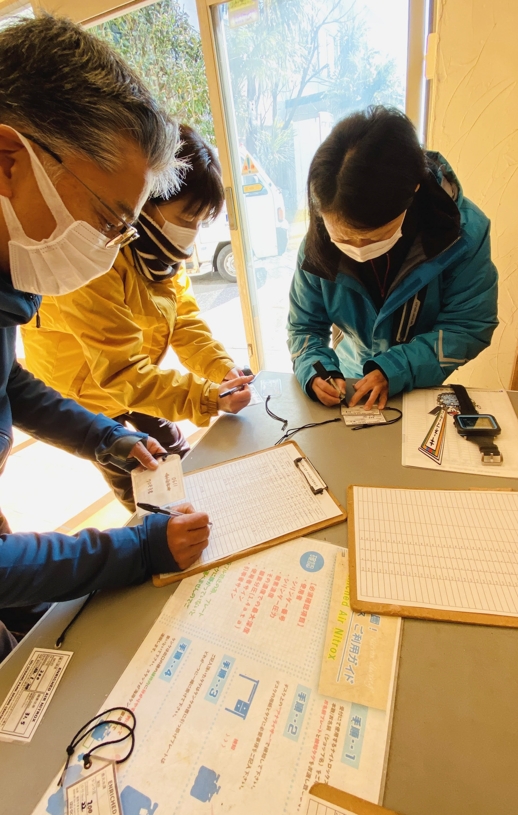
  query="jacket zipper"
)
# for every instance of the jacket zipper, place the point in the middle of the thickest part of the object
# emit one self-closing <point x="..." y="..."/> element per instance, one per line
<point x="32" y="298"/>
<point x="6" y="444"/>
<point x="429" y="260"/>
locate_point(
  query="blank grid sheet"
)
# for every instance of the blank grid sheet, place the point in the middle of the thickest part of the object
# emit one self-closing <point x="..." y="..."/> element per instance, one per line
<point x="255" y="499"/>
<point x="438" y="549"/>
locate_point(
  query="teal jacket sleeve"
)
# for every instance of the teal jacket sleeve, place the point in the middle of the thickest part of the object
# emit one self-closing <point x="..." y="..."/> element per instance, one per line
<point x="51" y="567"/>
<point x="464" y="326"/>
<point x="309" y="326"/>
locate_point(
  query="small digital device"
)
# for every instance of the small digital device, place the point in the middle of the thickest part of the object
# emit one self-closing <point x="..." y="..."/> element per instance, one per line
<point x="479" y="424"/>
<point x="481" y="428"/>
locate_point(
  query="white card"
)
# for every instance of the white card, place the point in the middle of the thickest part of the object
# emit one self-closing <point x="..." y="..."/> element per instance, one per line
<point x="161" y="487"/>
<point x="31" y="693"/>
<point x="255" y="398"/>
<point x="97" y="794"/>
<point x="358" y="415"/>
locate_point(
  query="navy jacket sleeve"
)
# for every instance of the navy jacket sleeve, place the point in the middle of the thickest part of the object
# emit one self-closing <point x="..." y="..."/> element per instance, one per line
<point x="50" y="567"/>
<point x="43" y="413"/>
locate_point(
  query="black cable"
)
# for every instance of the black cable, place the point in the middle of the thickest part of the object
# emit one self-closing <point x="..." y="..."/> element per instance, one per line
<point x="382" y="424"/>
<point x="90" y="726"/>
<point x="274" y="415"/>
<point x="294" y="430"/>
<point x="61" y="639"/>
<point x="289" y="433"/>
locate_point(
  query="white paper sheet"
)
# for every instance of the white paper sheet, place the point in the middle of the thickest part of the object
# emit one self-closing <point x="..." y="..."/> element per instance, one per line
<point x="31" y="694"/>
<point x="161" y="487"/>
<point x="438" y="549"/>
<point x="460" y="456"/>
<point x="225" y="692"/>
<point x="255" y="499"/>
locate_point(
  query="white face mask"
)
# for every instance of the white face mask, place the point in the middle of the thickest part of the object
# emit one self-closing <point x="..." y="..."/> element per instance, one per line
<point x="73" y="255"/>
<point x="180" y="236"/>
<point x="372" y="250"/>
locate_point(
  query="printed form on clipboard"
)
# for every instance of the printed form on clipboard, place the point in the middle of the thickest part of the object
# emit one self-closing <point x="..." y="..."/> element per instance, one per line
<point x="255" y="502"/>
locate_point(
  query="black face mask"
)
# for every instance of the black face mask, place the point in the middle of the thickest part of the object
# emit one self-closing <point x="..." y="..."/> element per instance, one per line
<point x="156" y="258"/>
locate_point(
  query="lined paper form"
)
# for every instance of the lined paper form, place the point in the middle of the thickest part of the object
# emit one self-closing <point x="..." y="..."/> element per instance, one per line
<point x="439" y="549"/>
<point x="255" y="499"/>
<point x="318" y="807"/>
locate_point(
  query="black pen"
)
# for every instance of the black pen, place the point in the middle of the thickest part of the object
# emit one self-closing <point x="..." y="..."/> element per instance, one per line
<point x="233" y="390"/>
<point x="160" y="511"/>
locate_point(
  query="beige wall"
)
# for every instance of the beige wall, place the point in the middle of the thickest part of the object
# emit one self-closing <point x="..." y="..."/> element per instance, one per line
<point x="474" y="123"/>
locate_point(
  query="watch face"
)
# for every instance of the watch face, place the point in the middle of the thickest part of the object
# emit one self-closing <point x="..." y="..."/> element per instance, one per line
<point x="449" y="402"/>
<point x="480" y="424"/>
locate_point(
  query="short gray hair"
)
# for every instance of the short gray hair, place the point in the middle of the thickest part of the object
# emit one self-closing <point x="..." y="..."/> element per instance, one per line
<point x="70" y="91"/>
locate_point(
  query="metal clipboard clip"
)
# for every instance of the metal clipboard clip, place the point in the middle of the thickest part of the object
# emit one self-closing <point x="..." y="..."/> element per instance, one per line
<point x="317" y="484"/>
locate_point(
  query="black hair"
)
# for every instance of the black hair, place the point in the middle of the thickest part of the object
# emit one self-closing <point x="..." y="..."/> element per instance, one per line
<point x="366" y="172"/>
<point x="71" y="92"/>
<point x="201" y="185"/>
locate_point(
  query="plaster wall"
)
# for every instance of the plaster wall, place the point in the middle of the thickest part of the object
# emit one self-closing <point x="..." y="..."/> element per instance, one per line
<point x="474" y="122"/>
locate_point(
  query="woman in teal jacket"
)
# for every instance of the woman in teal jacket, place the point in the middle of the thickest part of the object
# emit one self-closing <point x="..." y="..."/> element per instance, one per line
<point x="396" y="264"/>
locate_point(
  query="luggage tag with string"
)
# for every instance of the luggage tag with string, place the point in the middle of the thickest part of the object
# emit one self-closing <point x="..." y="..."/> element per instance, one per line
<point x="96" y="792"/>
<point x="357" y="415"/>
<point x="434" y="441"/>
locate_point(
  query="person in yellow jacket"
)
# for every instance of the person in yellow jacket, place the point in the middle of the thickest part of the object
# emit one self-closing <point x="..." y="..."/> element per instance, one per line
<point x="102" y="345"/>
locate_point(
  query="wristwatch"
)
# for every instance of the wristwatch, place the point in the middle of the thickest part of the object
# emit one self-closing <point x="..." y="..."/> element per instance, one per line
<point x="480" y="428"/>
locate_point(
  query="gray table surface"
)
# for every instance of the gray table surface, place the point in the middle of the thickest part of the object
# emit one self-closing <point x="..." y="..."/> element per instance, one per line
<point x="454" y="743"/>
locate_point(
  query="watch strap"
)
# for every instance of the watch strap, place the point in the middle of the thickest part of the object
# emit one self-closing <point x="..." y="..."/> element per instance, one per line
<point x="489" y="452"/>
<point x="465" y="403"/>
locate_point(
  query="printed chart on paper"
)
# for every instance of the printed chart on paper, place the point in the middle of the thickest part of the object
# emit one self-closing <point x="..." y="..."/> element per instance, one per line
<point x="438" y="548"/>
<point x="255" y="499"/>
<point x="225" y="692"/>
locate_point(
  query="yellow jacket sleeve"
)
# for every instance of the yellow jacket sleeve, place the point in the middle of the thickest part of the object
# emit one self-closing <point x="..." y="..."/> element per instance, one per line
<point x="114" y="338"/>
<point x="192" y="339"/>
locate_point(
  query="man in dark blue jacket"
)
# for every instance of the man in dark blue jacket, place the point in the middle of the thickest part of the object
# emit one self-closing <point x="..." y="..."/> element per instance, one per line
<point x="82" y="143"/>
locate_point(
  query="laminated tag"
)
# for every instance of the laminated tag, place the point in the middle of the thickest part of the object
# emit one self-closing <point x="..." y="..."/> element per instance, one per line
<point x="358" y="415"/>
<point x="96" y="794"/>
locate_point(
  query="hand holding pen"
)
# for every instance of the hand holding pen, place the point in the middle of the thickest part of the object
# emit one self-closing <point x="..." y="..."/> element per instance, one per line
<point x="187" y="532"/>
<point x="330" y="390"/>
<point x="187" y="536"/>
<point x="235" y="398"/>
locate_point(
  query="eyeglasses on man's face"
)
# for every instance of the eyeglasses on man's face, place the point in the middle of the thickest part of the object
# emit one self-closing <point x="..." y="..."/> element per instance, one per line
<point x="119" y="233"/>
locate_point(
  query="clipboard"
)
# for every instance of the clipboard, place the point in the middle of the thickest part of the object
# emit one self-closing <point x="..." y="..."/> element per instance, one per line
<point x="358" y="806"/>
<point x="312" y="478"/>
<point x="415" y="612"/>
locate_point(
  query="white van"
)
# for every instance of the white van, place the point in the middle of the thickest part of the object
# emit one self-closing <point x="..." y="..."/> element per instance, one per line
<point x="266" y="222"/>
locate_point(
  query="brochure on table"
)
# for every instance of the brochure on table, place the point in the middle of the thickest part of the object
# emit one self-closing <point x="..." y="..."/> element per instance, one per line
<point x="225" y="692"/>
<point x="361" y="650"/>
